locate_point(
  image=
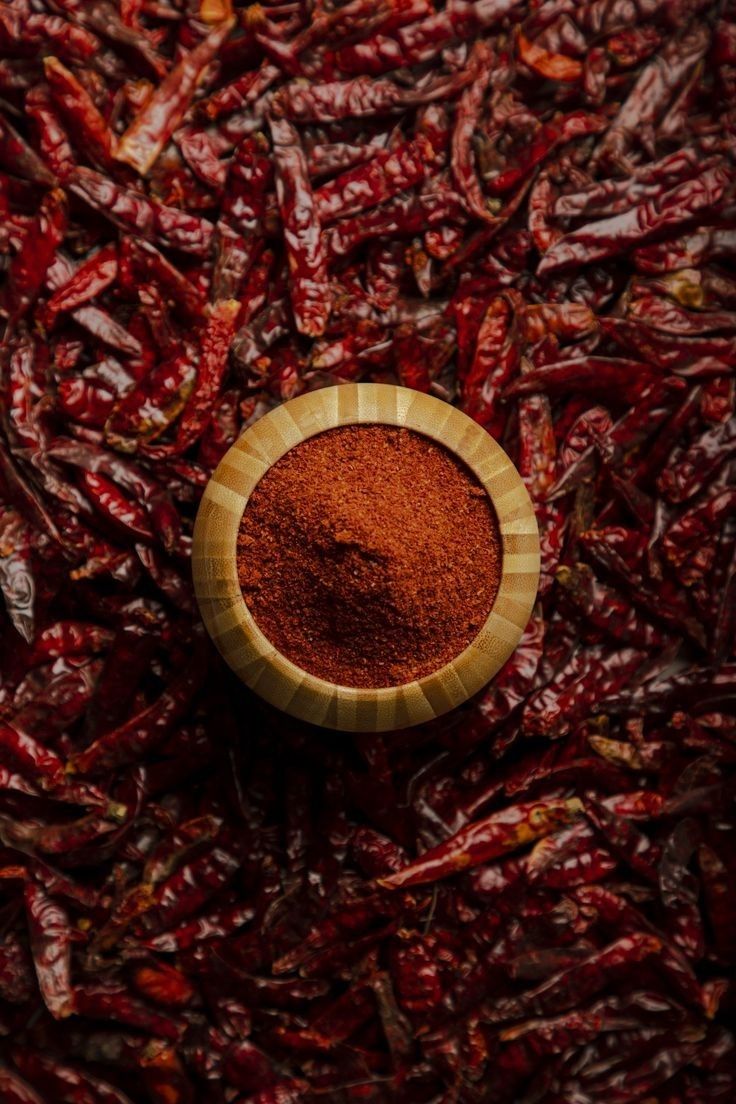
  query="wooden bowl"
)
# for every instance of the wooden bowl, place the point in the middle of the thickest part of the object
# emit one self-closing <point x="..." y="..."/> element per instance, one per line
<point x="252" y="656"/>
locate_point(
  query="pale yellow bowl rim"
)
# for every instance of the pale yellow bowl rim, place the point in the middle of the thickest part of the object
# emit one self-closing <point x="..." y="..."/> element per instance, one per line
<point x="254" y="658"/>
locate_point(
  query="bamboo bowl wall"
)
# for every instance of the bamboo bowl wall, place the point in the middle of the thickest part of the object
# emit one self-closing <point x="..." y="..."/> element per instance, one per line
<point x="251" y="655"/>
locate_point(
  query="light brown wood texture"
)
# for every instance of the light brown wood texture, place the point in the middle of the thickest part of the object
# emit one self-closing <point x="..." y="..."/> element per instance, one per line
<point x="255" y="659"/>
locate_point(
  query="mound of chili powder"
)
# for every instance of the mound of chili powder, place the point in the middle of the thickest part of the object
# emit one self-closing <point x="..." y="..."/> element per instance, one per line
<point x="369" y="555"/>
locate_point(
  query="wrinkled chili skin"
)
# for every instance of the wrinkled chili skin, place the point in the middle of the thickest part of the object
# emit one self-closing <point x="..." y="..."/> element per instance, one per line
<point x="526" y="209"/>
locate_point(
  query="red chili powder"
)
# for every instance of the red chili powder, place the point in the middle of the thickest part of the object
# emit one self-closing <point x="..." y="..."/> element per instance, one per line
<point x="369" y="555"/>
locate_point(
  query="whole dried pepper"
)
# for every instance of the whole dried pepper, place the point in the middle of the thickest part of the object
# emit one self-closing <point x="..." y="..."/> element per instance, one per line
<point x="211" y="365"/>
<point x="240" y="229"/>
<point x="67" y="1083"/>
<point x="113" y="506"/>
<point x="579" y="981"/>
<point x="17" y="155"/>
<point x="494" y="360"/>
<point x="546" y="138"/>
<point x="365" y="186"/>
<point x="139" y="259"/>
<point x="16" y="1090"/>
<point x="30" y="265"/>
<point x="50" y="935"/>
<point x="701" y="460"/>
<point x="31" y="757"/>
<point x="84" y="122"/>
<point x="485" y="840"/>
<point x="652" y="91"/>
<point x="423" y="39"/>
<point x="137" y="213"/>
<point x="165" y="108"/>
<point x="611" y="196"/>
<point x="51" y="138"/>
<point x="310" y="291"/>
<point x="593" y="374"/>
<point x="94" y="319"/>
<point x="324" y="103"/>
<point x="607" y="238"/>
<point x="468" y="115"/>
<point x="147" y="729"/>
<point x="87" y="281"/>
<point x="132" y="479"/>
<point x="147" y="410"/>
<point x="605" y="609"/>
<point x="558" y="67"/>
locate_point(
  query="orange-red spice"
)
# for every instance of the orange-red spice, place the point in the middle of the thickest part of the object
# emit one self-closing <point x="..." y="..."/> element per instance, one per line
<point x="369" y="555"/>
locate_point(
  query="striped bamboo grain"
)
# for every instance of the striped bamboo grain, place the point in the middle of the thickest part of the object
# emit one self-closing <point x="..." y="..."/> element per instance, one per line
<point x="255" y="659"/>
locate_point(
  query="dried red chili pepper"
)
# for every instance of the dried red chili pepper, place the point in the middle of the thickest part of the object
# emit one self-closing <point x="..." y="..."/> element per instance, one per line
<point x="653" y="89"/>
<point x="32" y="757"/>
<point x="242" y="92"/>
<point x="87" y="281"/>
<point x="579" y="981"/>
<point x="93" y="319"/>
<point x="189" y="888"/>
<point x="114" y="506"/>
<point x="310" y="292"/>
<point x="494" y="360"/>
<point x="162" y="112"/>
<point x="30" y="265"/>
<point x="324" y="103"/>
<point x="135" y="212"/>
<point x="211" y="365"/>
<point x="700" y="462"/>
<point x="112" y="1002"/>
<point x="138" y="483"/>
<point x="67" y="1084"/>
<point x="208" y="926"/>
<point x="389" y="172"/>
<point x="50" y="935"/>
<point x="16" y="1090"/>
<point x="51" y="138"/>
<point x="88" y="129"/>
<point x="610" y="236"/>
<point x="606" y="609"/>
<point x="558" y="67"/>
<point x="422" y="39"/>
<point x="595" y="374"/>
<point x="25" y="31"/>
<point x="18" y="156"/>
<point x="126" y="743"/>
<point x="546" y="138"/>
<point x="468" y="115"/>
<point x="485" y="840"/>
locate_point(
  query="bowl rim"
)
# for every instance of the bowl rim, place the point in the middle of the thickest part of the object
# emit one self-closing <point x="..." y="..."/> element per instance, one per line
<point x="258" y="662"/>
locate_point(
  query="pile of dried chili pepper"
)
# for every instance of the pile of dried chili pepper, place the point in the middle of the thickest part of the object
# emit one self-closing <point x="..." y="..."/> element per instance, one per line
<point x="528" y="209"/>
